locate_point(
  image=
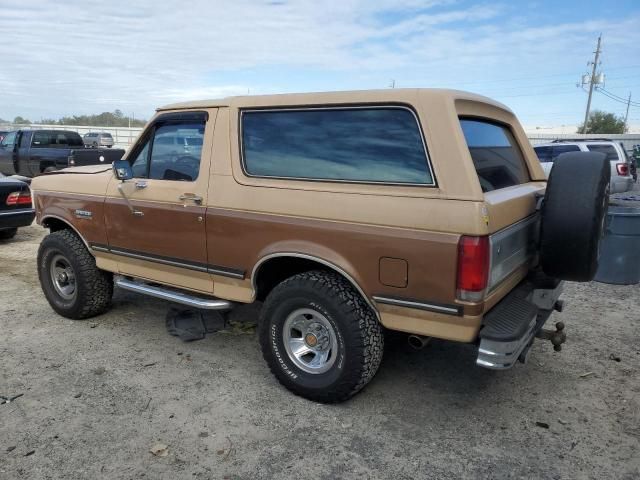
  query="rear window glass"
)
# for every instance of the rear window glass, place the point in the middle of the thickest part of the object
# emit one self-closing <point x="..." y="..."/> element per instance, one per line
<point x="560" y="149"/>
<point x="608" y="150"/>
<point x="351" y="144"/>
<point x="495" y="153"/>
<point x="107" y="135"/>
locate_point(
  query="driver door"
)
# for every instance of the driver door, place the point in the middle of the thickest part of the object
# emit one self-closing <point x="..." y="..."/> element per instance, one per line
<point x="158" y="231"/>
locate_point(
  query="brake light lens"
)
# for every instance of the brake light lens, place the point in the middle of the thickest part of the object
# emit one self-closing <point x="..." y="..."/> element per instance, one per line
<point x="623" y="169"/>
<point x="473" y="268"/>
<point x="19" y="198"/>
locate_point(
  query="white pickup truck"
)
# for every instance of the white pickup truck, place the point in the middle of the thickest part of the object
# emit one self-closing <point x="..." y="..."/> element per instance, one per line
<point x="621" y="178"/>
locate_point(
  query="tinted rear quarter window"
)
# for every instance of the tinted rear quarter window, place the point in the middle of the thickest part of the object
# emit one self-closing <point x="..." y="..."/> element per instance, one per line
<point x="496" y="156"/>
<point x="608" y="150"/>
<point x="371" y="145"/>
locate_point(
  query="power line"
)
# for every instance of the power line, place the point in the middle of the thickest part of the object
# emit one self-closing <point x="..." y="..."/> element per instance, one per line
<point x="617" y="99"/>
<point x="502" y="80"/>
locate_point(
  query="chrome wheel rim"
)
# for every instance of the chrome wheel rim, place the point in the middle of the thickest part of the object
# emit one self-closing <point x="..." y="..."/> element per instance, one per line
<point x="63" y="277"/>
<point x="310" y="341"/>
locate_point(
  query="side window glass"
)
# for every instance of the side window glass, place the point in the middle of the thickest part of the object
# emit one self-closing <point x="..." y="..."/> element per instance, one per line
<point x="140" y="162"/>
<point x="60" y="139"/>
<point x="608" y="150"/>
<point x="9" y="139"/>
<point x="496" y="155"/>
<point x="355" y="145"/>
<point x="41" y="140"/>
<point x="72" y="139"/>
<point x="543" y="153"/>
<point x="176" y="151"/>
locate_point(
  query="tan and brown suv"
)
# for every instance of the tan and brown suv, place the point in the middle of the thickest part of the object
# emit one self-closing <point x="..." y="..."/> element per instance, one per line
<point x="422" y="211"/>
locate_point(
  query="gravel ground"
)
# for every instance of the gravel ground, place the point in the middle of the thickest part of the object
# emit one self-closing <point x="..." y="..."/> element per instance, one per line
<point x="97" y="395"/>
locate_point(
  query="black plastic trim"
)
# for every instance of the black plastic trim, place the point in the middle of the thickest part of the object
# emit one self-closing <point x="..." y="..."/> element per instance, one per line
<point x="444" y="308"/>
<point x="177" y="262"/>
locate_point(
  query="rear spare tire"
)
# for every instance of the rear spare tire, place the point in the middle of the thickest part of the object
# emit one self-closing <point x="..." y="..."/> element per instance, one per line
<point x="573" y="214"/>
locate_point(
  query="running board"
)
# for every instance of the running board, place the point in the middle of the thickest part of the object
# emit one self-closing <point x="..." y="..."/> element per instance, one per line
<point x="173" y="295"/>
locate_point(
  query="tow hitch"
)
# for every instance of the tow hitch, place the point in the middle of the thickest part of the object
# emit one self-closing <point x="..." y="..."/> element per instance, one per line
<point x="557" y="337"/>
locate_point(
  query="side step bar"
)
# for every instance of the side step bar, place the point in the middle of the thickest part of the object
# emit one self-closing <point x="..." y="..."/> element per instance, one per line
<point x="173" y="295"/>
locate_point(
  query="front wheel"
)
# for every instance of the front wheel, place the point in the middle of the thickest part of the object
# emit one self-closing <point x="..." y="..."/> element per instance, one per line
<point x="72" y="283"/>
<point x="319" y="337"/>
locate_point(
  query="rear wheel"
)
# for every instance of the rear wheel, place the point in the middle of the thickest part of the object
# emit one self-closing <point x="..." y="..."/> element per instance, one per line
<point x="73" y="285"/>
<point x="319" y="337"/>
<point x="573" y="215"/>
<point x="8" y="233"/>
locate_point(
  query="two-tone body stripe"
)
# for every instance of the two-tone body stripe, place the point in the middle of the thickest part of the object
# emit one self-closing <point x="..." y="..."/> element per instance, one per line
<point x="240" y="274"/>
<point x="174" y="262"/>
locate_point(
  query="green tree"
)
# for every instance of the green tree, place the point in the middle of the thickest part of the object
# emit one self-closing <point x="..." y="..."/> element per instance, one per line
<point x="21" y="121"/>
<point x="603" y="122"/>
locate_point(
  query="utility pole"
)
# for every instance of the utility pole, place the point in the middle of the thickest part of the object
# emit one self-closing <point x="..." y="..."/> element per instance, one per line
<point x="591" y="84"/>
<point x="626" y="115"/>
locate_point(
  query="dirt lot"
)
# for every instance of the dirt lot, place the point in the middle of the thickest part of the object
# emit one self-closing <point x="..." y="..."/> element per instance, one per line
<point x="98" y="394"/>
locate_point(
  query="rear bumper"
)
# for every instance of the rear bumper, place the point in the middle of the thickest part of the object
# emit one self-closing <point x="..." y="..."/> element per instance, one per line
<point x="621" y="184"/>
<point x="17" y="218"/>
<point x="509" y="329"/>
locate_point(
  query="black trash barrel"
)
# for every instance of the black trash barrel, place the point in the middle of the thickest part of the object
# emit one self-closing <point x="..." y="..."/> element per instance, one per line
<point x="620" y="248"/>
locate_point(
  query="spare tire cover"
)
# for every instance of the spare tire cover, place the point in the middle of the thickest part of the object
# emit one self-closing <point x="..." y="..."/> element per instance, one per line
<point x="573" y="214"/>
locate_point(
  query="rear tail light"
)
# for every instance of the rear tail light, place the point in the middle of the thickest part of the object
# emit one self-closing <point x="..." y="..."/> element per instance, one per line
<point x="623" y="169"/>
<point x="473" y="268"/>
<point x="19" y="198"/>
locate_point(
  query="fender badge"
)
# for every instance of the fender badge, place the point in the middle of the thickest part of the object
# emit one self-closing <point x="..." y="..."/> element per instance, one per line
<point x="101" y="158"/>
<point x="83" y="214"/>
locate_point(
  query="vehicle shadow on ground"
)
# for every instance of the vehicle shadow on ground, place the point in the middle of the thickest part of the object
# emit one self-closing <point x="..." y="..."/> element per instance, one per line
<point x="441" y="368"/>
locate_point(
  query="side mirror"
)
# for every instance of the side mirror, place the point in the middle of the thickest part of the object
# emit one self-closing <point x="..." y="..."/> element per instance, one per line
<point x="122" y="170"/>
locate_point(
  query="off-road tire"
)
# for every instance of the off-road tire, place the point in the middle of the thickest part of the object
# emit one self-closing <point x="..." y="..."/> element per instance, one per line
<point x="360" y="335"/>
<point x="8" y="233"/>
<point x="573" y="215"/>
<point x="94" y="287"/>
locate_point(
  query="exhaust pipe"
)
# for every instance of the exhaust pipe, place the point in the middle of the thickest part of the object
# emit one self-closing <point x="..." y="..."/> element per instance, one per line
<point x="418" y="342"/>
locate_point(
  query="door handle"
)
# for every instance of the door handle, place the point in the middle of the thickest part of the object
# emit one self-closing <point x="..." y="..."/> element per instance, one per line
<point x="140" y="184"/>
<point x="191" y="196"/>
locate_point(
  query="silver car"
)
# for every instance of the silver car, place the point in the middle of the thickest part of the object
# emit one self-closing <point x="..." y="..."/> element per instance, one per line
<point x="621" y="171"/>
<point x="98" y="139"/>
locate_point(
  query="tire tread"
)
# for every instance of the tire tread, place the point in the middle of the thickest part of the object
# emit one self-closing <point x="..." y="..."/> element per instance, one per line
<point x="360" y="320"/>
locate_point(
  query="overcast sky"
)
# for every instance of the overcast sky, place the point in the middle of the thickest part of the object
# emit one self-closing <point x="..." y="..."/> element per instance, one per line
<point x="73" y="57"/>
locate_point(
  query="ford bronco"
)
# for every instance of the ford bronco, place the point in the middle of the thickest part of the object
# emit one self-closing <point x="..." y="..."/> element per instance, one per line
<point x="421" y="211"/>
